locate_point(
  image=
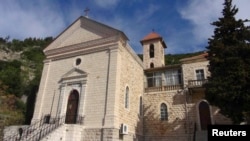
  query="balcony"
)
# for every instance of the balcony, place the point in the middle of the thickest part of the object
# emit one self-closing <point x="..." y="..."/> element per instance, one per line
<point x="156" y="84"/>
<point x="196" y="83"/>
<point x="163" y="88"/>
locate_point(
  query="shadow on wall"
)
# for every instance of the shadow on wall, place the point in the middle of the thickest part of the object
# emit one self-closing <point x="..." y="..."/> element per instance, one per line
<point x="153" y="125"/>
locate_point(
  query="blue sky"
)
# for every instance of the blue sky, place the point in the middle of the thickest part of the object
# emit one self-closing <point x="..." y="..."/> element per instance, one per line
<point x="184" y="24"/>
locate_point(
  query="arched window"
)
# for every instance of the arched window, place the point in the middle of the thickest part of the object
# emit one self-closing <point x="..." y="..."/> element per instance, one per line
<point x="164" y="112"/>
<point x="151" y="51"/>
<point x="127" y="98"/>
<point x="151" y="65"/>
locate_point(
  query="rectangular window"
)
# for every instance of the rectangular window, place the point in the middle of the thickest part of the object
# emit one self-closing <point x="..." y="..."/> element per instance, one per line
<point x="200" y="74"/>
<point x="157" y="79"/>
<point x="173" y="77"/>
<point x="154" y="79"/>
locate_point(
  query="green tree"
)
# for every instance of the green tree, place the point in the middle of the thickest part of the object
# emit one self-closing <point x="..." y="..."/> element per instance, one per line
<point x="12" y="108"/>
<point x="229" y="54"/>
<point x="10" y="76"/>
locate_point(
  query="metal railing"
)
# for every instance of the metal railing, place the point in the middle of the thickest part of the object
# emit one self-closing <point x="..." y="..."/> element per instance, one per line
<point x="39" y="129"/>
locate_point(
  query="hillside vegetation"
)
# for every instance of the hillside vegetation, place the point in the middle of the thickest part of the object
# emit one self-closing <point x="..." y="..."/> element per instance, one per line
<point x="171" y="59"/>
<point x="21" y="65"/>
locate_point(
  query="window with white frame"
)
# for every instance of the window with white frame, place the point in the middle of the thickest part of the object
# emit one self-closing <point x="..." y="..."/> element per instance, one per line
<point x="164" y="112"/>
<point x="200" y="74"/>
<point x="173" y="77"/>
<point x="127" y="98"/>
<point x="154" y="79"/>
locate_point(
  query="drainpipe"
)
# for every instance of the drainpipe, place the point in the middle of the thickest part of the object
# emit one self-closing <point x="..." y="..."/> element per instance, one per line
<point x="107" y="87"/>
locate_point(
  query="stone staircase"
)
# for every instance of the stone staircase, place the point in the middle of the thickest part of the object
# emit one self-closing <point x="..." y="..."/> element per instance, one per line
<point x="34" y="132"/>
<point x="66" y="132"/>
<point x="201" y="135"/>
<point x="53" y="129"/>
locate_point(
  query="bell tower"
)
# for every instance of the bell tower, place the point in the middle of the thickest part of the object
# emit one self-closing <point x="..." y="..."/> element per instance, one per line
<point x="153" y="50"/>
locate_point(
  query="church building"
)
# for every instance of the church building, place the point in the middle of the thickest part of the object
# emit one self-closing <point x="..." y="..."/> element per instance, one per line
<point x="94" y="87"/>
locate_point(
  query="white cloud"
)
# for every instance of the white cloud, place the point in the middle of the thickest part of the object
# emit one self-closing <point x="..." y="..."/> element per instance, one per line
<point x="243" y="6"/>
<point x="29" y="19"/>
<point x="201" y="13"/>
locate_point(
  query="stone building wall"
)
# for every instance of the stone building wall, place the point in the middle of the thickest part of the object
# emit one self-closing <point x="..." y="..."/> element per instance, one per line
<point x="188" y="70"/>
<point x="175" y="128"/>
<point x="196" y="95"/>
<point x="131" y="76"/>
<point x="158" y="59"/>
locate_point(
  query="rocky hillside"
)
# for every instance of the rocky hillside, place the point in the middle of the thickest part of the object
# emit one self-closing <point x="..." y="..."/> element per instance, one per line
<point x="21" y="65"/>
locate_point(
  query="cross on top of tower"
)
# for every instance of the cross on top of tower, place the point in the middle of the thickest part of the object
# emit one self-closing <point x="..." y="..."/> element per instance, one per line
<point x="86" y="12"/>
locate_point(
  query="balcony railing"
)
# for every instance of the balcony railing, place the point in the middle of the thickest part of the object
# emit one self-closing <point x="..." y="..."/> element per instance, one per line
<point x="155" y="84"/>
<point x="196" y="83"/>
<point x="163" y="88"/>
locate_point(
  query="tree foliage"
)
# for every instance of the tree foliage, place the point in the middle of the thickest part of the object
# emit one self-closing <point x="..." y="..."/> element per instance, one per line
<point x="171" y="59"/>
<point x="228" y="53"/>
<point x="12" y="108"/>
<point x="21" y="77"/>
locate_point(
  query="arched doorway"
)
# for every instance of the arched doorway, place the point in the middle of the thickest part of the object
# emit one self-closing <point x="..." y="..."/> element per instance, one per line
<point x="72" y="107"/>
<point x="204" y="113"/>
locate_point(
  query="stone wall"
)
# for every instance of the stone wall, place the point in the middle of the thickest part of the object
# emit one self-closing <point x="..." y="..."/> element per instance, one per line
<point x="177" y="127"/>
<point x="188" y="70"/>
<point x="158" y="60"/>
<point x="131" y="77"/>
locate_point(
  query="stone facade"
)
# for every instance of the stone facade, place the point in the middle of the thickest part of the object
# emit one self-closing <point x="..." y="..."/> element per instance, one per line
<point x="175" y="128"/>
<point x="107" y="67"/>
<point x="98" y="88"/>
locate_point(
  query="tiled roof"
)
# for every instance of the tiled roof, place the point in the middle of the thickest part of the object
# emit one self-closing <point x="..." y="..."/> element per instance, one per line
<point x="153" y="35"/>
<point x="150" y="36"/>
<point x="201" y="56"/>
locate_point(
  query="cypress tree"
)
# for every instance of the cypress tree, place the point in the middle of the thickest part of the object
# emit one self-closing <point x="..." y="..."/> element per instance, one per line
<point x="228" y="86"/>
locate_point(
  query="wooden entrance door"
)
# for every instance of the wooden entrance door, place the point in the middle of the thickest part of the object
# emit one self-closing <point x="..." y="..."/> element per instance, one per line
<point x="72" y="107"/>
<point x="205" y="117"/>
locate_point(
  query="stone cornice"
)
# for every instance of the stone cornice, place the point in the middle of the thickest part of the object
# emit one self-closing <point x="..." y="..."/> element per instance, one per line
<point x="92" y="26"/>
<point x="88" y="44"/>
<point x="83" y="51"/>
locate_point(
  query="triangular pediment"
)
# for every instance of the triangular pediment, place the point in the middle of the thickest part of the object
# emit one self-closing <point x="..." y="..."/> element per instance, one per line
<point x="74" y="73"/>
<point x="83" y="30"/>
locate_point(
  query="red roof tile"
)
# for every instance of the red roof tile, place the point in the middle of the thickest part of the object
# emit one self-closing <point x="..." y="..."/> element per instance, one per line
<point x="200" y="56"/>
<point x="152" y="35"/>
